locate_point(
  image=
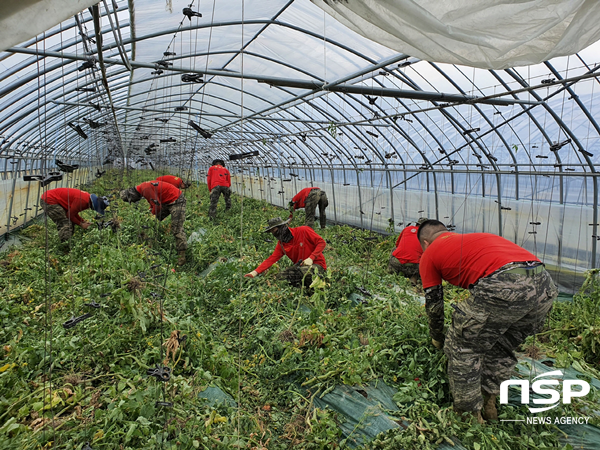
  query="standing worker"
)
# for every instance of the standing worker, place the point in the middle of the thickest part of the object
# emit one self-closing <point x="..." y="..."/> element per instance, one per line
<point x="308" y="198"/>
<point x="219" y="182"/>
<point x="405" y="258"/>
<point x="179" y="183"/>
<point x="511" y="294"/>
<point x="302" y="245"/>
<point x="164" y="199"/>
<point x="63" y="206"/>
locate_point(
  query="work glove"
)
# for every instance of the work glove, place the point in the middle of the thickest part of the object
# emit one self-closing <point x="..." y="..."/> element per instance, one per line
<point x="307" y="262"/>
<point x="437" y="344"/>
<point x="251" y="274"/>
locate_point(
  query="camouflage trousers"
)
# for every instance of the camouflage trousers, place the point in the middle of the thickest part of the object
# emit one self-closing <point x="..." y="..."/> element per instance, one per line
<point x="295" y="274"/>
<point x="409" y="270"/>
<point x="502" y="310"/>
<point x="177" y="212"/>
<point x="315" y="198"/>
<point x="58" y="215"/>
<point x="214" y="199"/>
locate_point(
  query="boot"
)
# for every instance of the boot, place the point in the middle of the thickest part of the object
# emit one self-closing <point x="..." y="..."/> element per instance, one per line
<point x="181" y="259"/>
<point x="489" y="411"/>
<point x="476" y="415"/>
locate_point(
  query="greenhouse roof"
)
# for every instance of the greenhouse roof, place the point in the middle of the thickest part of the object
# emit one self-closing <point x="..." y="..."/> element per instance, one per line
<point x="286" y="79"/>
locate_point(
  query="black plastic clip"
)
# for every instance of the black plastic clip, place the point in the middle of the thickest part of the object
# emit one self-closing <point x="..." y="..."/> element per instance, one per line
<point x="164" y="404"/>
<point x="363" y="291"/>
<point x="160" y="373"/>
<point x="189" y="13"/>
<point x="75" y="320"/>
<point x="93" y="304"/>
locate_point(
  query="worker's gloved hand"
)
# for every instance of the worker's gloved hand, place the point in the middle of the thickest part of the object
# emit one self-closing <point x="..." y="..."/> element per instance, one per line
<point x="437" y="344"/>
<point x="85" y="225"/>
<point x="251" y="274"/>
<point x="307" y="262"/>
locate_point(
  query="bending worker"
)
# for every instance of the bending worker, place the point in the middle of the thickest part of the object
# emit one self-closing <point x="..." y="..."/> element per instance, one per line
<point x="302" y="245"/>
<point x="219" y="182"/>
<point x="63" y="206"/>
<point x="164" y="199"/>
<point x="308" y="198"/>
<point x="511" y="294"/>
<point x="407" y="254"/>
<point x="179" y="183"/>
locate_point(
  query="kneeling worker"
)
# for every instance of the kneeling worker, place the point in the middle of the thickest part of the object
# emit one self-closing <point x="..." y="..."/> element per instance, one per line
<point x="63" y="206"/>
<point x="302" y="245"/>
<point x="405" y="258"/>
<point x="164" y="199"/>
<point x="511" y="294"/>
<point x="309" y="198"/>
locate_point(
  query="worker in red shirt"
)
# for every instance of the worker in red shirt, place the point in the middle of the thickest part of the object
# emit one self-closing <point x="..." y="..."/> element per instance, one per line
<point x="164" y="199"/>
<point x="219" y="182"/>
<point x="511" y="294"/>
<point x="63" y="206"/>
<point x="309" y="198"/>
<point x="179" y="183"/>
<point x="407" y="254"/>
<point x="302" y="245"/>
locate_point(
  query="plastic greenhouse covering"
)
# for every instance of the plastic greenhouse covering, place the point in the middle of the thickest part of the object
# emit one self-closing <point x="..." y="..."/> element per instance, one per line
<point x="481" y="114"/>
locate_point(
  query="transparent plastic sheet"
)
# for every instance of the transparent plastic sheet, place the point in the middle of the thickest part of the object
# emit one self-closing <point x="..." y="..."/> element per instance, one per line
<point x="491" y="34"/>
<point x="20" y="21"/>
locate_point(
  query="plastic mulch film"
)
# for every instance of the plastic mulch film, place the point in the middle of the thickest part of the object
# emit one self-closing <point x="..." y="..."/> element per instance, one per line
<point x="196" y="236"/>
<point x="215" y="397"/>
<point x="364" y="410"/>
<point x="216" y="264"/>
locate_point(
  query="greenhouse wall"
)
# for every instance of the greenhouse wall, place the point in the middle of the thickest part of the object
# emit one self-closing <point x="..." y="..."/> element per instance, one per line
<point x="559" y="234"/>
<point x="19" y="199"/>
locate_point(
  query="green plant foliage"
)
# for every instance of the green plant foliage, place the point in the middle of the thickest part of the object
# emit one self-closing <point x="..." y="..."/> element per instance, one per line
<point x="270" y="347"/>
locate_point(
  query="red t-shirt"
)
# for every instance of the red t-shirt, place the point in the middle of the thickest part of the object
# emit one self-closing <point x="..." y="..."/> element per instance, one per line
<point x="304" y="244"/>
<point x="408" y="247"/>
<point x="72" y="200"/>
<point x="218" y="176"/>
<point x="161" y="194"/>
<point x="175" y="181"/>
<point x="300" y="198"/>
<point x="462" y="259"/>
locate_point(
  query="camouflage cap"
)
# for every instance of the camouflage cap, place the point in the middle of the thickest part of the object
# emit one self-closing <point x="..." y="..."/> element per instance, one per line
<point x="275" y="222"/>
<point x="421" y="220"/>
<point x="130" y="195"/>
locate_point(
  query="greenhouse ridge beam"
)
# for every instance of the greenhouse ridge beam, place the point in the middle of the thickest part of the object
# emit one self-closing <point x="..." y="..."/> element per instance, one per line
<point x="384" y="92"/>
<point x="311" y="85"/>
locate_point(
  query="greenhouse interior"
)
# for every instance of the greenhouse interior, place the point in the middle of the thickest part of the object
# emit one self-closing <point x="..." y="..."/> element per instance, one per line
<point x="167" y="328"/>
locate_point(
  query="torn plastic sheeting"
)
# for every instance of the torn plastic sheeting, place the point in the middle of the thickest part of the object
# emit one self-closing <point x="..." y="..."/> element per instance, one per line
<point x="215" y="396"/>
<point x="364" y="408"/>
<point x="196" y="236"/>
<point x="214" y="265"/>
<point x="11" y="241"/>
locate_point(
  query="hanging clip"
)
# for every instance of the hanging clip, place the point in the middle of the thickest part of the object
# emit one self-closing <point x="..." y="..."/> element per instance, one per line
<point x="75" y="320"/>
<point x="363" y="291"/>
<point x="160" y="373"/>
<point x="189" y="13"/>
<point x="164" y="404"/>
<point x="93" y="304"/>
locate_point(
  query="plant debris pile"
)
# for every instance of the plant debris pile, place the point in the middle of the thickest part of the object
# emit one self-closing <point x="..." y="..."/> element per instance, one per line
<point x="200" y="357"/>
